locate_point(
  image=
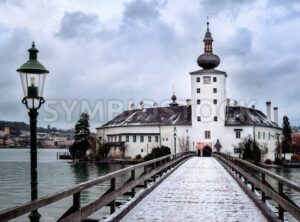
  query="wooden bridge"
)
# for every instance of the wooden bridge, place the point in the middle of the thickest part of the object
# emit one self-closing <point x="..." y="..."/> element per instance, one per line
<point x="180" y="187"/>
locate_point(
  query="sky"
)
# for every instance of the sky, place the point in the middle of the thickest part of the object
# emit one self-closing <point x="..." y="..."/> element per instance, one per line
<point x="105" y="55"/>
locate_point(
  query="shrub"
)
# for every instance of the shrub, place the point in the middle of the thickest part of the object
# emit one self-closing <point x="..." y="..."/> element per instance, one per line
<point x="138" y="157"/>
<point x="278" y="161"/>
<point x="268" y="161"/>
<point x="158" y="152"/>
<point x="295" y="157"/>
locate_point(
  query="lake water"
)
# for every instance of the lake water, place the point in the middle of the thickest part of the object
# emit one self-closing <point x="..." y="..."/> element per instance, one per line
<point x="55" y="175"/>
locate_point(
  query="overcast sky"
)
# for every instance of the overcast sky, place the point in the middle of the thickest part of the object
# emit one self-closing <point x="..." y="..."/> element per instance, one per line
<point x="105" y="54"/>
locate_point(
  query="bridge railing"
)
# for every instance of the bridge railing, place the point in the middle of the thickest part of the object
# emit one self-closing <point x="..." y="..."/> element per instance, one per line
<point x="256" y="177"/>
<point x="151" y="170"/>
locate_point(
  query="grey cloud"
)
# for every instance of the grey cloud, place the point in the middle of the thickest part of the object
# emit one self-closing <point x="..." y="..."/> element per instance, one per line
<point x="142" y="11"/>
<point x="215" y="7"/>
<point x="78" y="24"/>
<point x="238" y="44"/>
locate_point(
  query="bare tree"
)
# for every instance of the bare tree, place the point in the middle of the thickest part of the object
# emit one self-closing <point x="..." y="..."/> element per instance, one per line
<point x="183" y="143"/>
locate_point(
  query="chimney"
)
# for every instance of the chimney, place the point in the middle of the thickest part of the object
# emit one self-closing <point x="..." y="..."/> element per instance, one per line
<point x="268" y="103"/>
<point x="253" y="107"/>
<point x="188" y="102"/>
<point x="132" y="106"/>
<point x="276" y="115"/>
<point x="155" y="104"/>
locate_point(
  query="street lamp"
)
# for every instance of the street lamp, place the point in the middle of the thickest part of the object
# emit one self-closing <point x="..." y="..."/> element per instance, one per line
<point x="175" y="135"/>
<point x="33" y="75"/>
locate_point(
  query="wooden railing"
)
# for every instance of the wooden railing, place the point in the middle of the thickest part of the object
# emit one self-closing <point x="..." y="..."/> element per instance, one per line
<point x="257" y="177"/>
<point x="151" y="170"/>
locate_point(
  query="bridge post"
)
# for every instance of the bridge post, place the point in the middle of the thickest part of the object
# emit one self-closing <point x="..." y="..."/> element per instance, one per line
<point x="263" y="180"/>
<point x="280" y="209"/>
<point x="145" y="172"/>
<point x="132" y="178"/>
<point x="112" y="188"/>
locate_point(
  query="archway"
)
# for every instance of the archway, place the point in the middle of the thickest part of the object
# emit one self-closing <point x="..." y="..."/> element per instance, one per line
<point x="206" y="151"/>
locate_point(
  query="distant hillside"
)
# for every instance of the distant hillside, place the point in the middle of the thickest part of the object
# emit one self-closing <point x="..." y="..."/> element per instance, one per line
<point x="16" y="127"/>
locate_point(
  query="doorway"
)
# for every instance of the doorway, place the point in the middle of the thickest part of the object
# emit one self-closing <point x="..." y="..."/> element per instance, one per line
<point x="207" y="151"/>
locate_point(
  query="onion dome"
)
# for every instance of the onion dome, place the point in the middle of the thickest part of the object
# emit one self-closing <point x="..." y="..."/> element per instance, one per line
<point x="208" y="60"/>
<point x="173" y="103"/>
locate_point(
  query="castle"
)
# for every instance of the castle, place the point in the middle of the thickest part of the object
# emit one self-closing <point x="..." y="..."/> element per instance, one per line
<point x="207" y="122"/>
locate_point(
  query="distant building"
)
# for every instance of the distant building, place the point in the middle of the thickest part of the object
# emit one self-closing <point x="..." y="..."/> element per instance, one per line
<point x="208" y="122"/>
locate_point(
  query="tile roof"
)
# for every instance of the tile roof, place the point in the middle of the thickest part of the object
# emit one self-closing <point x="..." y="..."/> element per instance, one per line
<point x="175" y="115"/>
<point x="244" y="116"/>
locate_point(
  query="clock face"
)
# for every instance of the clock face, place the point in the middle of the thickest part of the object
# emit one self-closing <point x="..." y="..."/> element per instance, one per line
<point x="206" y="79"/>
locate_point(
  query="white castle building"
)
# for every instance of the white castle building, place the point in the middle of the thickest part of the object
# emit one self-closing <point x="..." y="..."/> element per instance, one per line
<point x="208" y="122"/>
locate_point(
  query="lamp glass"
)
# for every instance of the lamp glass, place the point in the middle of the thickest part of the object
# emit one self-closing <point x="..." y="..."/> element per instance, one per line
<point x="33" y="84"/>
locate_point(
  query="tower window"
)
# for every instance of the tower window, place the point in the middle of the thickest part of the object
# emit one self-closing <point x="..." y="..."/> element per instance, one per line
<point x="142" y="139"/>
<point x="214" y="79"/>
<point x="127" y="138"/>
<point x="198" y="90"/>
<point x="215" y="118"/>
<point x="134" y="138"/>
<point x="238" y="134"/>
<point x="149" y="139"/>
<point x="198" y="79"/>
<point x="215" y="90"/>
<point x="215" y="101"/>
<point x="120" y="138"/>
<point x="207" y="134"/>
<point x="198" y="118"/>
<point x="156" y="139"/>
<point x="198" y="101"/>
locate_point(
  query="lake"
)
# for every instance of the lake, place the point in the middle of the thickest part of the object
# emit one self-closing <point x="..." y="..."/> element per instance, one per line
<point x="55" y="175"/>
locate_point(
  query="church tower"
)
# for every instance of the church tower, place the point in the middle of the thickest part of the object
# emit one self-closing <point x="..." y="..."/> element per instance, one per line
<point x="208" y="97"/>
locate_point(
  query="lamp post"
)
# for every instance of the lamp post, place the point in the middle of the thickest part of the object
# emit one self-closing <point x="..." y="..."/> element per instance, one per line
<point x="175" y="135"/>
<point x="33" y="76"/>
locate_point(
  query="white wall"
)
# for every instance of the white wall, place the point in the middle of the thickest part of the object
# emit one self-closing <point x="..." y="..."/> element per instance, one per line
<point x="165" y="137"/>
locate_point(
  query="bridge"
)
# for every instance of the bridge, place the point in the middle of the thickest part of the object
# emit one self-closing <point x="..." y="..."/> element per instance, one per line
<point x="180" y="187"/>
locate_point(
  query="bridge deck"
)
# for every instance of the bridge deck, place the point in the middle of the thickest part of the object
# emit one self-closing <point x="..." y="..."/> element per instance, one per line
<point x="199" y="190"/>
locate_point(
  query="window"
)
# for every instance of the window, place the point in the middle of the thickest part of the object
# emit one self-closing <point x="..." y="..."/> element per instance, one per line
<point x="108" y="138"/>
<point x="215" y="118"/>
<point x="149" y="139"/>
<point x="120" y="138"/>
<point x="166" y="139"/>
<point x="236" y="150"/>
<point x="141" y="139"/>
<point x="258" y="135"/>
<point x="115" y="138"/>
<point x="163" y="139"/>
<point x="269" y="136"/>
<point x="206" y="79"/>
<point x="264" y="135"/>
<point x="215" y="79"/>
<point x="198" y="118"/>
<point x="207" y="134"/>
<point x="238" y="134"/>
<point x="198" y="79"/>
<point x="215" y="90"/>
<point x="127" y="138"/>
<point x="198" y="90"/>
<point x="215" y="101"/>
<point x="142" y="150"/>
<point x="134" y="138"/>
<point x="198" y="101"/>
<point x="156" y="139"/>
